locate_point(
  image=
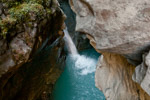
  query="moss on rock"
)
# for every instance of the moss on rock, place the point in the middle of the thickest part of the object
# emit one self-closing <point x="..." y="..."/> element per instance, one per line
<point x="23" y="11"/>
<point x="6" y="24"/>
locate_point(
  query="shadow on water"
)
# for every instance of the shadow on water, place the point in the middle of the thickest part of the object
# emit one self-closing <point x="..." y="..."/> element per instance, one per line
<point x="77" y="81"/>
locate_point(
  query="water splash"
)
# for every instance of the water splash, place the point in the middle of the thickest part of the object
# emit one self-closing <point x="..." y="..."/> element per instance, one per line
<point x="81" y="62"/>
<point x="76" y="83"/>
<point x="77" y="80"/>
<point x="85" y="65"/>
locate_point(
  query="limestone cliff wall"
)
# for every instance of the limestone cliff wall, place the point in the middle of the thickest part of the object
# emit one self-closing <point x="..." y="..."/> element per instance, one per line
<point x="120" y="28"/>
<point x="31" y="48"/>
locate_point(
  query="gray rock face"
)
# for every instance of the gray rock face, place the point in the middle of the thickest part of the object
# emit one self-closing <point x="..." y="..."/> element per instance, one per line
<point x="142" y="73"/>
<point x="120" y="26"/>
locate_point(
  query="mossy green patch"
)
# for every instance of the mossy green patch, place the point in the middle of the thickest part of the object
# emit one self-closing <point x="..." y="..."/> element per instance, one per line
<point x="23" y="11"/>
<point x="35" y="1"/>
<point x="10" y="3"/>
<point x="6" y="24"/>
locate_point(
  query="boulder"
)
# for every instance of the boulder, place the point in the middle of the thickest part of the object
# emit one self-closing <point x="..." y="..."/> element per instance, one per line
<point x="120" y="26"/>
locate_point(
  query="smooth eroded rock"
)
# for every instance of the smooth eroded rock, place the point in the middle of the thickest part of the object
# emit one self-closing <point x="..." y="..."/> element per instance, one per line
<point x="114" y="78"/>
<point x="120" y="26"/>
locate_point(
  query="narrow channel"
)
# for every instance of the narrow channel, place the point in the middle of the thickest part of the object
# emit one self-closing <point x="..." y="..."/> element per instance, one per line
<point x="77" y="82"/>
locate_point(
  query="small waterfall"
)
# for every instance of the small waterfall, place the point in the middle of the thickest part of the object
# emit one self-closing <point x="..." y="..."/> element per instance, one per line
<point x="77" y="80"/>
<point x="70" y="45"/>
<point x="83" y="63"/>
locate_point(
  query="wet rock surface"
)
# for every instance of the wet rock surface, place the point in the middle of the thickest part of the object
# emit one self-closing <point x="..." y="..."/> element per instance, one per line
<point x="36" y="78"/>
<point x="31" y="48"/>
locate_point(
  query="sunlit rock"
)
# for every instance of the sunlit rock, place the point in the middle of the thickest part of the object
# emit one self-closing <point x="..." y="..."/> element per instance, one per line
<point x="114" y="78"/>
<point x="120" y="26"/>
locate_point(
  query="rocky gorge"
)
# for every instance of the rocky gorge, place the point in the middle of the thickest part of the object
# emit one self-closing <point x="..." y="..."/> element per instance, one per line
<point x="32" y="48"/>
<point x="33" y="51"/>
<point x="119" y="30"/>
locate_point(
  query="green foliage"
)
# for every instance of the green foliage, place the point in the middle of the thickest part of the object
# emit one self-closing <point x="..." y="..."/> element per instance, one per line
<point x="45" y="3"/>
<point x="6" y="24"/>
<point x="10" y="3"/>
<point x="34" y="1"/>
<point x="21" y="11"/>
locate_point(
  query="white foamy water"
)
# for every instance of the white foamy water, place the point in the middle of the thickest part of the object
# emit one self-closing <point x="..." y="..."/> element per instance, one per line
<point x="84" y="64"/>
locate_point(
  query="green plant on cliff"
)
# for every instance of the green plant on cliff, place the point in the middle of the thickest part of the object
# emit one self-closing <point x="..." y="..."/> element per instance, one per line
<point x="10" y="3"/>
<point x="45" y="3"/>
<point x="6" y="24"/>
<point x="23" y="11"/>
<point x="35" y="1"/>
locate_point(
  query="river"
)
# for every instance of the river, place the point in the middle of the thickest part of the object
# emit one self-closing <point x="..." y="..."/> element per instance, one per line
<point x="77" y="81"/>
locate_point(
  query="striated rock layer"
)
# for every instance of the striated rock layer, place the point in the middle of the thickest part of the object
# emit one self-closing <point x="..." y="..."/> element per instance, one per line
<point x="118" y="28"/>
<point x="31" y="48"/>
<point x="113" y="78"/>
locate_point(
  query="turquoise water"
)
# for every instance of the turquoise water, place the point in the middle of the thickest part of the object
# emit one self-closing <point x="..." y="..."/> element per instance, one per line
<point x="77" y="81"/>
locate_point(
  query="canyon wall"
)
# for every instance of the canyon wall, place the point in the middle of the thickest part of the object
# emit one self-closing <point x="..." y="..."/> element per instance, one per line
<point x="32" y="51"/>
<point x="119" y="30"/>
<point x="114" y="78"/>
<point x="80" y="40"/>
